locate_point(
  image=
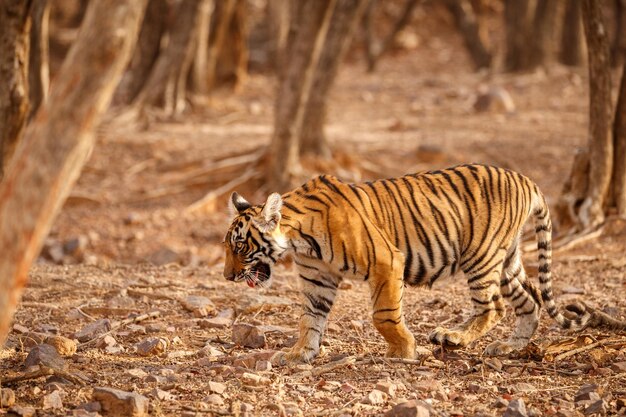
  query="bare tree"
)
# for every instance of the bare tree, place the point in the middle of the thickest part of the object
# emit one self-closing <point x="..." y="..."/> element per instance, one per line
<point x="344" y="20"/>
<point x="572" y="37"/>
<point x="15" y="22"/>
<point x="146" y="52"/>
<point x="310" y="20"/>
<point x="48" y="160"/>
<point x="199" y="76"/>
<point x="38" y="66"/>
<point x="618" y="181"/>
<point x="376" y="48"/>
<point x="467" y="22"/>
<point x="517" y="20"/>
<point x="547" y="24"/>
<point x="585" y="194"/>
<point x="166" y="86"/>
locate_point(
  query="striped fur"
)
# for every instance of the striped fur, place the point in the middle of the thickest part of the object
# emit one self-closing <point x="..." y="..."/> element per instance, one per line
<point x="412" y="230"/>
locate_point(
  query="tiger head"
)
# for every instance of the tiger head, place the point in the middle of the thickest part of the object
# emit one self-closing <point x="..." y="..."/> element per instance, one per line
<point x="254" y="241"/>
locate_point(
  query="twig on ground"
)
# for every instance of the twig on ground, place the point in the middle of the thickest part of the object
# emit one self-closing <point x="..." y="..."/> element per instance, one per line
<point x="118" y="325"/>
<point x="590" y="346"/>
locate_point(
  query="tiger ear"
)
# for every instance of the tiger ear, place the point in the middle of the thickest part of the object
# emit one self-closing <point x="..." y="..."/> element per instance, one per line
<point x="270" y="215"/>
<point x="237" y="204"/>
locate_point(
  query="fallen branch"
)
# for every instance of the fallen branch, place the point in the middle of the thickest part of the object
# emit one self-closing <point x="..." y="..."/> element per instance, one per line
<point x="208" y="202"/>
<point x="119" y="324"/>
<point x="44" y="371"/>
<point x="590" y="346"/>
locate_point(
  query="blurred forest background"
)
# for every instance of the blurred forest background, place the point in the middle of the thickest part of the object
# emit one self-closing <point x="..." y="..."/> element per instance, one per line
<point x="124" y="125"/>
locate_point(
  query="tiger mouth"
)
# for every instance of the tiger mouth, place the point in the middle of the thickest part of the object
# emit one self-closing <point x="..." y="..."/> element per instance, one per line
<point x="257" y="274"/>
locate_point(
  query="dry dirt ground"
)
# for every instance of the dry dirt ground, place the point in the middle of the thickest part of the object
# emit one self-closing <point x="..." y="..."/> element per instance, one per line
<point x="415" y="112"/>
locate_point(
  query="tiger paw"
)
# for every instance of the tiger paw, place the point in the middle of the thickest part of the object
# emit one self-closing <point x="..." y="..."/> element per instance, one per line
<point x="405" y="351"/>
<point x="498" y="348"/>
<point x="448" y="338"/>
<point x="298" y="354"/>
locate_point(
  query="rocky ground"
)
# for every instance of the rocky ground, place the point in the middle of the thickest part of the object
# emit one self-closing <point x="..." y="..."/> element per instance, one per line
<point x="129" y="294"/>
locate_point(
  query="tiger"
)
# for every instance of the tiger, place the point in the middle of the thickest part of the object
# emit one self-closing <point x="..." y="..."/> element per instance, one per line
<point x="409" y="231"/>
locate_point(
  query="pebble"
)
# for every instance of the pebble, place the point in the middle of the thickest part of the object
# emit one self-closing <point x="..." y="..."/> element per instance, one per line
<point x="200" y="306"/>
<point x="93" y="330"/>
<point x="597" y="407"/>
<point x="516" y="408"/>
<point x="254" y="379"/>
<point x="162" y="395"/>
<point x="7" y="397"/>
<point x="619" y="367"/>
<point x="45" y="355"/>
<point x="152" y="346"/>
<point x="217" y="387"/>
<point x="586" y="393"/>
<point x="374" y="397"/>
<point x="387" y="387"/>
<point x="214" y="399"/>
<point x="215" y="323"/>
<point x="292" y="409"/>
<point x="121" y="403"/>
<point x="136" y="373"/>
<point x="21" y="411"/>
<point x="248" y="335"/>
<point x="412" y="408"/>
<point x="263" y="366"/>
<point x="92" y="407"/>
<point x="164" y="256"/>
<point x="52" y="401"/>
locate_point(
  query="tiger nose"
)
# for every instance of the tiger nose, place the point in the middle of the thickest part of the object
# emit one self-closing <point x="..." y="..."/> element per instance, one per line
<point x="229" y="276"/>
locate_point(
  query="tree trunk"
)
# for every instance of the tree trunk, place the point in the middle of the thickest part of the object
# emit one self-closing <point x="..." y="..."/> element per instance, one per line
<point x="146" y="52"/>
<point x="58" y="142"/>
<point x="546" y="26"/>
<point x="310" y="20"/>
<point x="38" y="68"/>
<point x="344" y="20"/>
<point x="600" y="126"/>
<point x="467" y="23"/>
<point x="618" y="183"/>
<point x="278" y="26"/>
<point x="199" y="76"/>
<point x="517" y="23"/>
<point x="618" y="49"/>
<point x="374" y="48"/>
<point x="15" y="22"/>
<point x="167" y="83"/>
<point x="572" y="37"/>
<point x="224" y="11"/>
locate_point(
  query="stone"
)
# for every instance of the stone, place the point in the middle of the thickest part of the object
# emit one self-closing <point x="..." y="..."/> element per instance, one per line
<point x="215" y="323"/>
<point x="254" y="379"/>
<point x="76" y="246"/>
<point x="597" y="407"/>
<point x="291" y="409"/>
<point x="516" y="408"/>
<point x="217" y="387"/>
<point x="164" y="256"/>
<point x="78" y="412"/>
<point x="585" y="393"/>
<point x="523" y="387"/>
<point x="92" y="407"/>
<point x="374" y="397"/>
<point x="247" y="335"/>
<point x="495" y="99"/>
<point x="501" y="403"/>
<point x="45" y="355"/>
<point x="200" y="306"/>
<point x="619" y="367"/>
<point x="387" y="387"/>
<point x="63" y="345"/>
<point x="52" y="401"/>
<point x="152" y="346"/>
<point x="263" y="366"/>
<point x="7" y="397"/>
<point x="93" y="330"/>
<point x="19" y="329"/>
<point x="214" y="399"/>
<point x="252" y="303"/>
<point x="52" y="250"/>
<point x="136" y="373"/>
<point x="116" y="402"/>
<point x="21" y="411"/>
<point x="162" y="395"/>
<point x="413" y="408"/>
<point x="106" y="341"/>
<point x="347" y="387"/>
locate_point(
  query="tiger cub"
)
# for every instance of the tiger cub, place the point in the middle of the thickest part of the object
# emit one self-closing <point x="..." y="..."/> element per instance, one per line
<point x="412" y="230"/>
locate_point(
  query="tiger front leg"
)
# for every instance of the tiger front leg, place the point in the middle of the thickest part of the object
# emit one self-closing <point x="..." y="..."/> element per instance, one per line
<point x="386" y="294"/>
<point x="318" y="298"/>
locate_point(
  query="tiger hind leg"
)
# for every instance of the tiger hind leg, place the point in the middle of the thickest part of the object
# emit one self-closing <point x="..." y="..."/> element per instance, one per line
<point x="525" y="300"/>
<point x="387" y="288"/>
<point x="484" y="283"/>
